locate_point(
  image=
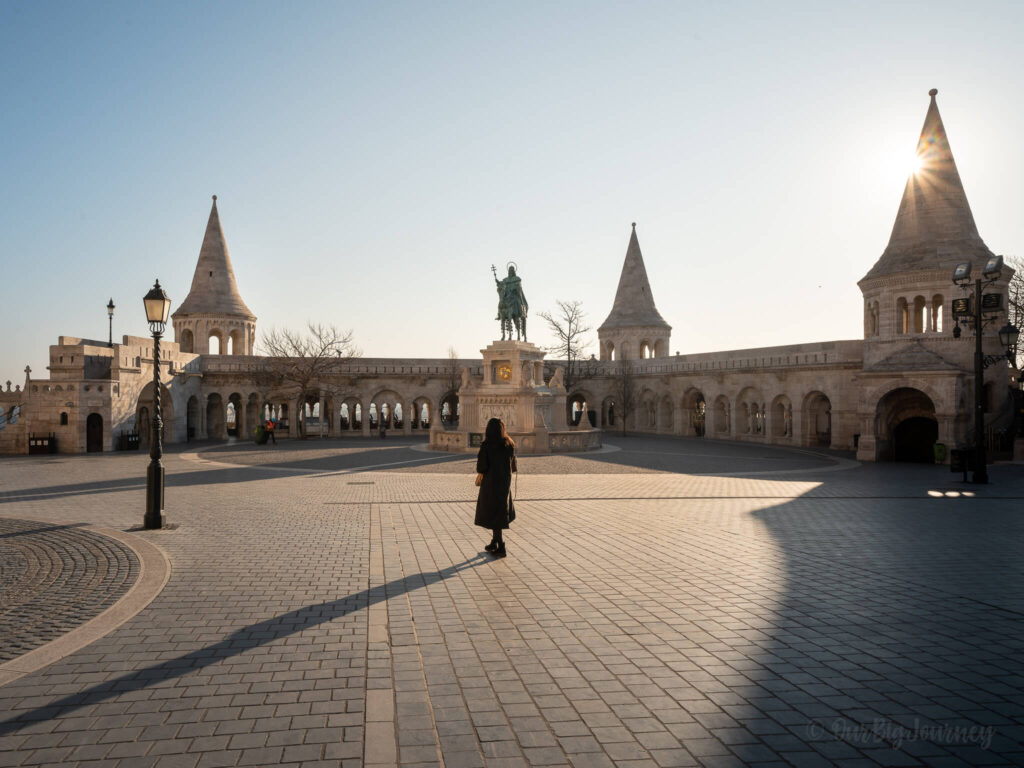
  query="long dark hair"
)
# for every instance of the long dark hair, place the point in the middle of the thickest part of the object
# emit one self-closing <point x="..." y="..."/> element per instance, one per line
<point x="495" y="434"/>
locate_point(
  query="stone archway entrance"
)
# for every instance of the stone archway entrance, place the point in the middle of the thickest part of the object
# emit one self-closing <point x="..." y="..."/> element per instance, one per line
<point x="905" y="426"/>
<point x="913" y="440"/>
<point x="94" y="433"/>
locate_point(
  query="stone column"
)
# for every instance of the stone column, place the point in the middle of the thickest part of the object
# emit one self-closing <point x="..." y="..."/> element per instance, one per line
<point x="323" y="414"/>
<point x="363" y="409"/>
<point x="240" y="424"/>
<point x="407" y="416"/>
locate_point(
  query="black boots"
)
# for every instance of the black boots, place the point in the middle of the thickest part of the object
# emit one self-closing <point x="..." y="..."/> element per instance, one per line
<point x="499" y="549"/>
<point x="492" y="546"/>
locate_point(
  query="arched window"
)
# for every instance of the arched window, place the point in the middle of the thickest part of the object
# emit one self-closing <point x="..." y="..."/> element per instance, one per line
<point x="611" y="351"/>
<point x="902" y="316"/>
<point x="64" y="418"/>
<point x="936" y="313"/>
<point x="919" y="315"/>
<point x="214" y="344"/>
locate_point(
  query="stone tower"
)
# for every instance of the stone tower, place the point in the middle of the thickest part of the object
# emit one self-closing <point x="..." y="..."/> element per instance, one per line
<point x="914" y="366"/>
<point x="634" y="328"/>
<point x="213" y="307"/>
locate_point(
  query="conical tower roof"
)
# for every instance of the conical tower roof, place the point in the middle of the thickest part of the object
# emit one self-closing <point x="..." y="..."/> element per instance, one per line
<point x="634" y="304"/>
<point x="214" y="290"/>
<point x="934" y="227"/>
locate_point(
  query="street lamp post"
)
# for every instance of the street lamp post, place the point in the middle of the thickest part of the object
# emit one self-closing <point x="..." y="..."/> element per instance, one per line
<point x="158" y="307"/>
<point x="110" y="317"/>
<point x="977" y="307"/>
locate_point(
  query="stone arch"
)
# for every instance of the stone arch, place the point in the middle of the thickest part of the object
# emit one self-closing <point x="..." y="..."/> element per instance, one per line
<point x="721" y="416"/>
<point x="188" y="340"/>
<point x="386" y="401"/>
<point x="750" y="412"/>
<point x="902" y="315"/>
<point x="577" y="407"/>
<point x="252" y="415"/>
<point x="215" y="341"/>
<point x="422" y="413"/>
<point x="236" y="342"/>
<point x="192" y="418"/>
<point x="647" y="411"/>
<point x="645" y="350"/>
<point x="610" y="351"/>
<point x="144" y="409"/>
<point x="234" y="415"/>
<point x="817" y="418"/>
<point x="666" y="415"/>
<point x="449" y="410"/>
<point x="608" y="412"/>
<point x="694" y="409"/>
<point x="906" y="426"/>
<point x="93" y="433"/>
<point x="349" y="413"/>
<point x="215" y="416"/>
<point x="935" y="311"/>
<point x="781" y="418"/>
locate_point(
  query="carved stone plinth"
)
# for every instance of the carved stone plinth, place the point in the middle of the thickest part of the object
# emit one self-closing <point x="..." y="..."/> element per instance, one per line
<point x="513" y="389"/>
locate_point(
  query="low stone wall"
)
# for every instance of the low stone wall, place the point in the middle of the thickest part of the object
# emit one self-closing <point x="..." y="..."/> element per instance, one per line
<point x="569" y="441"/>
<point x="575" y="441"/>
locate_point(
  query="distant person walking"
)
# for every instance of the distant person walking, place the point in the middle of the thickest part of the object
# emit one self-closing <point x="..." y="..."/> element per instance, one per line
<point x="269" y="427"/>
<point x="495" y="464"/>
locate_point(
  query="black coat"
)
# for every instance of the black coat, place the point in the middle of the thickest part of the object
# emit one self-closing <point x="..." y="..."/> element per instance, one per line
<point x="494" y="507"/>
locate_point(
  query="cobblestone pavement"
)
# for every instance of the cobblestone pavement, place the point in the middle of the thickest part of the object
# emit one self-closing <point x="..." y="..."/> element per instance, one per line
<point x="54" y="578"/>
<point x="735" y="607"/>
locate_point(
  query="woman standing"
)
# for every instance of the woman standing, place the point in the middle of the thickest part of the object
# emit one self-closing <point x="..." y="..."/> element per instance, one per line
<point x="494" y="465"/>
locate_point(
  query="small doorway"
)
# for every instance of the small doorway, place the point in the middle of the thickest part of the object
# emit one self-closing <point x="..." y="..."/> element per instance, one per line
<point x="914" y="438"/>
<point x="94" y="433"/>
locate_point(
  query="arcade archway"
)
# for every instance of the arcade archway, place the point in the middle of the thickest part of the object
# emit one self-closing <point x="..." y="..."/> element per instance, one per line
<point x="905" y="426"/>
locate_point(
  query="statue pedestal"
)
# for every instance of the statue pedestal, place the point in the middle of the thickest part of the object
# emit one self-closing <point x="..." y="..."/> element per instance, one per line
<point x="513" y="390"/>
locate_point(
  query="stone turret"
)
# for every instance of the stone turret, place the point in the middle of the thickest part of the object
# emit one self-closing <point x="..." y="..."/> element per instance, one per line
<point x="917" y="382"/>
<point x="634" y="328"/>
<point x="214" y="307"/>
<point x="907" y="293"/>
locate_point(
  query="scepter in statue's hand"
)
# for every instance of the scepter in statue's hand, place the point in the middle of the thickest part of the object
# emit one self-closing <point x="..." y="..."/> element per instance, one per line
<point x="495" y="271"/>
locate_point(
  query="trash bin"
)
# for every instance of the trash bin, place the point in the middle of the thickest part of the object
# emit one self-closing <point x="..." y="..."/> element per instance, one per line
<point x="940" y="453"/>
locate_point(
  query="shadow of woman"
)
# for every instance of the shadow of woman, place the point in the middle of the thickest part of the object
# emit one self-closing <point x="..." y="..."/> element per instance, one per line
<point x="245" y="639"/>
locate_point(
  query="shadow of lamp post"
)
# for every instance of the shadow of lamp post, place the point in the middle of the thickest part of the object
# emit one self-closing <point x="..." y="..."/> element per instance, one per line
<point x="980" y="309"/>
<point x="158" y="307"/>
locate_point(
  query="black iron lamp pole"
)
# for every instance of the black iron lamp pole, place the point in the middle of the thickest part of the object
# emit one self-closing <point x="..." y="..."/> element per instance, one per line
<point x="158" y="307"/>
<point x="1008" y="336"/>
<point x="980" y="455"/>
<point x="110" y="316"/>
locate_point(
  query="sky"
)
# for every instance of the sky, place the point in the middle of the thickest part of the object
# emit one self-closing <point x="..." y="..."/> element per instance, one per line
<point x="373" y="160"/>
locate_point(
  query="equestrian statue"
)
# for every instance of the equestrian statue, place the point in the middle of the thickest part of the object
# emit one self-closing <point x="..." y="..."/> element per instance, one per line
<point x="512" y="306"/>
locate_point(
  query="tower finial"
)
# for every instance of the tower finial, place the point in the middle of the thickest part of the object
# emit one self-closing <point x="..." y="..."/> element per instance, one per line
<point x="215" y="198"/>
<point x="634" y="225"/>
<point x="933" y="92"/>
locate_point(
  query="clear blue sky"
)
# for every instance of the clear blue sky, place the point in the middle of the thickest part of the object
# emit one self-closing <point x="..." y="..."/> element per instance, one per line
<point x="372" y="161"/>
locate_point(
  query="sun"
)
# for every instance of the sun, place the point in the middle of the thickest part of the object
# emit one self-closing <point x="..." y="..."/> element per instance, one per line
<point x="916" y="163"/>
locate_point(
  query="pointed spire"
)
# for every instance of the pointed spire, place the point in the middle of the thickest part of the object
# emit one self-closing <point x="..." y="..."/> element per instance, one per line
<point x="934" y="226"/>
<point x="634" y="303"/>
<point x="214" y="290"/>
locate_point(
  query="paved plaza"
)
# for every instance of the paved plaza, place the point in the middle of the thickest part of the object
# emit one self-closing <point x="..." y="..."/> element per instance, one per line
<point x="665" y="602"/>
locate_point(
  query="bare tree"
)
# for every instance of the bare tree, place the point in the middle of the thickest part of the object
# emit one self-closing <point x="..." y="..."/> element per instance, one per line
<point x="568" y="327"/>
<point x="1015" y="310"/>
<point x="452" y="382"/>
<point x="299" y="359"/>
<point x="625" y="389"/>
